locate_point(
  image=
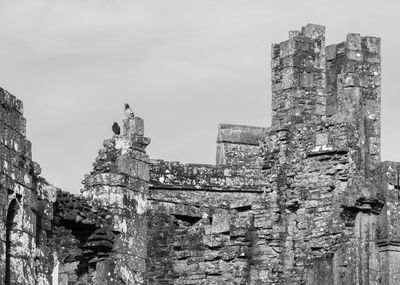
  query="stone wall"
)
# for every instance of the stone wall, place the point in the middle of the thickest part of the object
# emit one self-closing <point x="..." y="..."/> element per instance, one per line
<point x="83" y="237"/>
<point x="25" y="207"/>
<point x="201" y="217"/>
<point x="309" y="195"/>
<point x="97" y="237"/>
<point x="324" y="160"/>
<point x="305" y="201"/>
<point x="321" y="205"/>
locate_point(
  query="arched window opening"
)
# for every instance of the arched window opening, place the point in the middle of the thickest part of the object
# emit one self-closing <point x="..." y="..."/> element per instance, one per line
<point x="11" y="225"/>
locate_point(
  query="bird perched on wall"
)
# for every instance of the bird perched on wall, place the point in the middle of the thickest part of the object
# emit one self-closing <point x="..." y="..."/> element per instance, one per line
<point x="128" y="112"/>
<point x="116" y="129"/>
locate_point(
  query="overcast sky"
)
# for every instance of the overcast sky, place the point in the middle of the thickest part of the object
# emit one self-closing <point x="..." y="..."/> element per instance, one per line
<point x="184" y="66"/>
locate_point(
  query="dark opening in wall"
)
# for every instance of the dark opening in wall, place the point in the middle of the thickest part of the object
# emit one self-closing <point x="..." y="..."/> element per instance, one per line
<point x="85" y="235"/>
<point x="10" y="228"/>
<point x="243" y="208"/>
<point x="189" y="219"/>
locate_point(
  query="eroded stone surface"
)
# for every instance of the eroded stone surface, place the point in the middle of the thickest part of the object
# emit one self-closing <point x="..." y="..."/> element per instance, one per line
<point x="305" y="201"/>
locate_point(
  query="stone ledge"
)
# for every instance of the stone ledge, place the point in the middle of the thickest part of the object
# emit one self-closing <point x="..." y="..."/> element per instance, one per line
<point x="240" y="134"/>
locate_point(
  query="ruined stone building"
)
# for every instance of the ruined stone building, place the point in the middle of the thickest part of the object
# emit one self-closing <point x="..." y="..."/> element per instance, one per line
<point x="304" y="201"/>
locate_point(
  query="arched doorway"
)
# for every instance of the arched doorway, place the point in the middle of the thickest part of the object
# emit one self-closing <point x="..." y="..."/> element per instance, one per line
<point x="11" y="225"/>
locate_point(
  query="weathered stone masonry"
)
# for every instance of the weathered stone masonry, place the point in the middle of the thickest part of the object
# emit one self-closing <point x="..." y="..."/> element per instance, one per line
<point x="305" y="201"/>
<point x="25" y="203"/>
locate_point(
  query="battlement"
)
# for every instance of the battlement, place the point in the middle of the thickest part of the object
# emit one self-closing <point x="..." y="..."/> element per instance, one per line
<point x="356" y="48"/>
<point x="311" y="81"/>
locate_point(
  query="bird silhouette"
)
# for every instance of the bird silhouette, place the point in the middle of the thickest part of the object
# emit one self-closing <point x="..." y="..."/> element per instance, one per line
<point x="128" y="112"/>
<point x="116" y="129"/>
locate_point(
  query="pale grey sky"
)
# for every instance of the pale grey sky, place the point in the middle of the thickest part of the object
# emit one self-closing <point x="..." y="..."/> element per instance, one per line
<point x="183" y="65"/>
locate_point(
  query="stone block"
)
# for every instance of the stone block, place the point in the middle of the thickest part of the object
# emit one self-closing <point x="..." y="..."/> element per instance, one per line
<point x="134" y="226"/>
<point x="240" y="134"/>
<point x="143" y="171"/>
<point x="140" y="143"/>
<point x="330" y="52"/>
<point x="275" y="63"/>
<point x="11" y="100"/>
<point x="293" y="34"/>
<point x="27" y="149"/>
<point x="220" y="154"/>
<point x="353" y="42"/>
<point x="374" y="145"/>
<point x="321" y="272"/>
<point x="290" y="78"/>
<point x="2" y="250"/>
<point x="306" y="80"/>
<point x="127" y="166"/>
<point x="314" y="31"/>
<point x="138" y="185"/>
<point x="126" y="244"/>
<point x="109" y="179"/>
<point x="141" y="200"/>
<point x="2" y="271"/>
<point x="134" y="126"/>
<point x="114" y="196"/>
<point x="221" y="219"/>
<point x="63" y="279"/>
<point x="30" y="198"/>
<point x="371" y="44"/>
<point x="276" y="87"/>
<point x="22" y="271"/>
<point x="13" y="120"/>
<point x="28" y="224"/>
<point x="351" y="79"/>
<point x="2" y="231"/>
<point x="275" y="50"/>
<point x="23" y="245"/>
<point x="372" y="58"/>
<point x="322" y="139"/>
<point x="68" y="267"/>
<point x="128" y="266"/>
<point x="355" y="55"/>
<point x="43" y="278"/>
<point x="139" y="155"/>
<point x="287" y="48"/>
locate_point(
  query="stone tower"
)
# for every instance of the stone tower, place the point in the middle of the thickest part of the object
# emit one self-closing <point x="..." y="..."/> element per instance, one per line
<point x="324" y="150"/>
<point x="304" y="201"/>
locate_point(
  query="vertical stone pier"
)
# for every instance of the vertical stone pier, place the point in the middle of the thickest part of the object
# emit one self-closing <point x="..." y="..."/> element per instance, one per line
<point x="354" y="93"/>
<point x="298" y="76"/>
<point x="119" y="183"/>
<point x="388" y="230"/>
